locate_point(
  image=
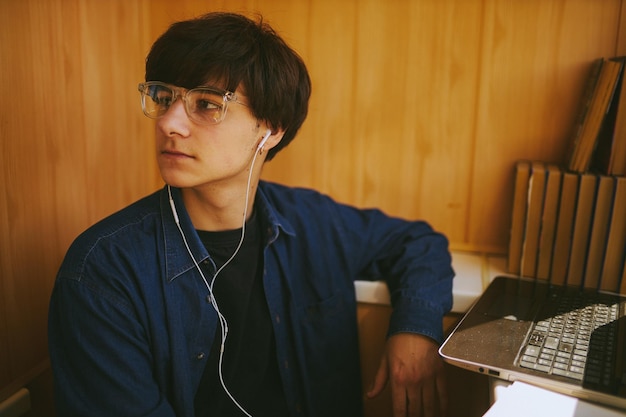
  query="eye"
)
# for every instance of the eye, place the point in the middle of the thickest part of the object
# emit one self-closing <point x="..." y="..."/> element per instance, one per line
<point x="204" y="104"/>
<point x="205" y="100"/>
<point x="162" y="97"/>
<point x="163" y="100"/>
<point x="207" y="106"/>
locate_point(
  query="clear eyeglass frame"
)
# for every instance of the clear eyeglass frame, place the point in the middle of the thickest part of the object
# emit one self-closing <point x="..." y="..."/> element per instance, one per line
<point x="203" y="105"/>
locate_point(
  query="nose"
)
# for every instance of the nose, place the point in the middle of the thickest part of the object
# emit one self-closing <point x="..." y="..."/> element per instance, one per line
<point x="175" y="120"/>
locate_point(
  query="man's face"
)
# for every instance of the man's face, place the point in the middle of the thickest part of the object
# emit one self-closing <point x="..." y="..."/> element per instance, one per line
<point x="191" y="155"/>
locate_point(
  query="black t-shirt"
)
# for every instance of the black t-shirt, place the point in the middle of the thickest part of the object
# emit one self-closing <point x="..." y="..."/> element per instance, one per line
<point x="250" y="367"/>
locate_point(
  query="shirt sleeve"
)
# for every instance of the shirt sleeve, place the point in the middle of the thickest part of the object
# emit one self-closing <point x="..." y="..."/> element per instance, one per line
<point x="414" y="261"/>
<point x="98" y="350"/>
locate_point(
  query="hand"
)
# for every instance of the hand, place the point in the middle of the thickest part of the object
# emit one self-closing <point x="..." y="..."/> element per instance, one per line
<point x="412" y="364"/>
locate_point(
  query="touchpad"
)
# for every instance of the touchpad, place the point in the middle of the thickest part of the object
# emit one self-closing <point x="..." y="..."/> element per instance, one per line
<point x="514" y="307"/>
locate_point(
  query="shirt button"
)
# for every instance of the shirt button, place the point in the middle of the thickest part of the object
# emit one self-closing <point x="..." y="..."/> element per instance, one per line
<point x="277" y="318"/>
<point x="286" y="364"/>
<point x="200" y="356"/>
<point x="208" y="298"/>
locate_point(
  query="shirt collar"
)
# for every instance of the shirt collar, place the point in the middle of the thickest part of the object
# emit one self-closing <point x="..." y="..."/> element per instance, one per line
<point x="272" y="220"/>
<point x="179" y="243"/>
<point x="179" y="239"/>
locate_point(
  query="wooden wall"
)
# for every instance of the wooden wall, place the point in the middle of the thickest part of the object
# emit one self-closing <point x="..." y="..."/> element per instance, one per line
<point x="420" y="107"/>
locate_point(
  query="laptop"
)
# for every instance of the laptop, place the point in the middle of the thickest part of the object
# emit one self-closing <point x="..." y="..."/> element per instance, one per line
<point x="569" y="340"/>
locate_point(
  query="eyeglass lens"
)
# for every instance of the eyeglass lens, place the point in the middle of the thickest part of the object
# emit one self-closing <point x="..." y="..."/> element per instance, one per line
<point x="202" y="105"/>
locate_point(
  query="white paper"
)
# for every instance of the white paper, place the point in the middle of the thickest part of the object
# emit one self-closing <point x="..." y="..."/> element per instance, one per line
<point x="524" y="400"/>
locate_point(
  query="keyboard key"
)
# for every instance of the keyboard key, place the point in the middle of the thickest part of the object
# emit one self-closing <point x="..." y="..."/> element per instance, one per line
<point x="532" y="351"/>
<point x="575" y="340"/>
<point x="576" y="369"/>
<point x="551" y="342"/>
<point x="568" y="374"/>
<point x="536" y="339"/>
<point x="566" y="347"/>
<point x="529" y="359"/>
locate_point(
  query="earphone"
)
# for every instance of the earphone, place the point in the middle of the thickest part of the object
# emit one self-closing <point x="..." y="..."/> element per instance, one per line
<point x="222" y="319"/>
<point x="267" y="135"/>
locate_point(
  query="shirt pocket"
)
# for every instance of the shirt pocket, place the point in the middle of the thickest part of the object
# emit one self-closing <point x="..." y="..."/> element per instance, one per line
<point x="330" y="346"/>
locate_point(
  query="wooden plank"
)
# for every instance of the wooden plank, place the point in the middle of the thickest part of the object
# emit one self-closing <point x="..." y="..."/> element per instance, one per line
<point x="534" y="60"/>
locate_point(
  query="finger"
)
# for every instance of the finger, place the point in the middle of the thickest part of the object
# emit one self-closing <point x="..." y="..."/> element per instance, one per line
<point x="399" y="398"/>
<point x="442" y="393"/>
<point x="380" y="380"/>
<point x="428" y="405"/>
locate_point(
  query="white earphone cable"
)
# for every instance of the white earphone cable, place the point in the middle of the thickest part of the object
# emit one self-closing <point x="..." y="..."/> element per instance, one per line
<point x="222" y="319"/>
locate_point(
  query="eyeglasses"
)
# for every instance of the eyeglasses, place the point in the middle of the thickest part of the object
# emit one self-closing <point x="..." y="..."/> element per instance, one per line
<point x="203" y="105"/>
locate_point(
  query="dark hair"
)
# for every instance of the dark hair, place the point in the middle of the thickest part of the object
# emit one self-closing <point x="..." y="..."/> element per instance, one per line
<point x="235" y="51"/>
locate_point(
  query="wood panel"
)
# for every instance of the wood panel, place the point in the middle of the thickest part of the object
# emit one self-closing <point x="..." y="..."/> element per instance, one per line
<point x="32" y="139"/>
<point x="75" y="147"/>
<point x="535" y="59"/>
<point x="420" y="107"/>
<point x="621" y="35"/>
<point x="372" y="138"/>
<point x="416" y="73"/>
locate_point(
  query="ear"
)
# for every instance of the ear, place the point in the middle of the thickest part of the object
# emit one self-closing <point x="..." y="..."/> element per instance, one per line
<point x="263" y="140"/>
<point x="272" y="140"/>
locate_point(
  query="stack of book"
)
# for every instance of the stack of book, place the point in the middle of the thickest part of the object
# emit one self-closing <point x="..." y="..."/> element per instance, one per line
<point x="569" y="223"/>
<point x="599" y="142"/>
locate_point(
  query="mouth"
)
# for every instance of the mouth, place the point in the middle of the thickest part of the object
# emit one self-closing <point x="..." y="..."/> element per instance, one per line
<point x="171" y="153"/>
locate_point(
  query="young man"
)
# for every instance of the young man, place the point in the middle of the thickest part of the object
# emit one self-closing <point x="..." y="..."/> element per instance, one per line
<point x="223" y="295"/>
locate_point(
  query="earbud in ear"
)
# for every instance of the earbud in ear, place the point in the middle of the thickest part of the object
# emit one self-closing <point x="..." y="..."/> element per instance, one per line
<point x="267" y="135"/>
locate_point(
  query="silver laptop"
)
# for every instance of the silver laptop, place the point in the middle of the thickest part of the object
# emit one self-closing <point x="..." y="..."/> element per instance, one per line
<point x="570" y="340"/>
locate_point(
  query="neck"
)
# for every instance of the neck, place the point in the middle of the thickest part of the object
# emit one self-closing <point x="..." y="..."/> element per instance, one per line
<point x="214" y="208"/>
<point x="226" y="204"/>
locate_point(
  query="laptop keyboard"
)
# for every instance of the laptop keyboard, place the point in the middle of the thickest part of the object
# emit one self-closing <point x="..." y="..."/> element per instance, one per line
<point x="573" y="338"/>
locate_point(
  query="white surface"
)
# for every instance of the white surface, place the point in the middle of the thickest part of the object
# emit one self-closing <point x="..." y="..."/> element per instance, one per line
<point x="372" y="292"/>
<point x="524" y="400"/>
<point x="468" y="282"/>
<point x="473" y="272"/>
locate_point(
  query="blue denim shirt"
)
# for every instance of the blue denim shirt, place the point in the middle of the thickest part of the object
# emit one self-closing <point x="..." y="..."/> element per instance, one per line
<point x="131" y="325"/>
